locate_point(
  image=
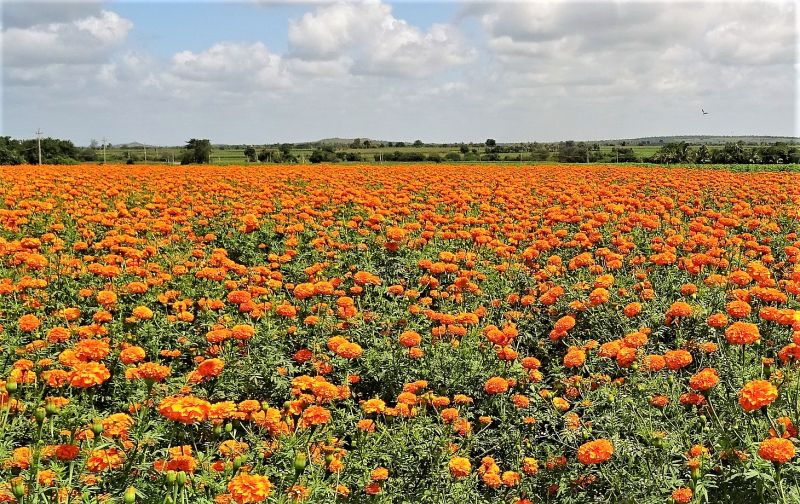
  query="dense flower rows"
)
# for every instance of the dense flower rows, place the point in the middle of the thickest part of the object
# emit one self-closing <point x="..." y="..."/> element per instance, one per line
<point x="399" y="334"/>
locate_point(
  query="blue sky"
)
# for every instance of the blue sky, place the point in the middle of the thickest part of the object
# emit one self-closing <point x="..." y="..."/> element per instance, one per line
<point x="167" y="27"/>
<point x="255" y="71"/>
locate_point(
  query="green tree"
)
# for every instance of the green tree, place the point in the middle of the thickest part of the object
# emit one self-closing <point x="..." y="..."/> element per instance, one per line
<point x="250" y="153"/>
<point x="197" y="151"/>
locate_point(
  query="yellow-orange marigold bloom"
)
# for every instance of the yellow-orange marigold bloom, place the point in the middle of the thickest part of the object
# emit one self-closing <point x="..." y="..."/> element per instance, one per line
<point x="682" y="495"/>
<point x="28" y="323"/>
<point x="88" y="374"/>
<point x="142" y="313"/>
<point x="757" y="394"/>
<point x="778" y="450"/>
<point x="410" y="339"/>
<point x="632" y="309"/>
<point x="132" y="355"/>
<point x="186" y="410"/>
<point x="211" y="367"/>
<point x="742" y="333"/>
<point x="496" y="385"/>
<point x="315" y="415"/>
<point x="349" y="350"/>
<point x="511" y="478"/>
<point x="91" y="350"/>
<point x="677" y="359"/>
<point x="379" y="474"/>
<point x="530" y="466"/>
<point x="717" y="320"/>
<point x="704" y="379"/>
<point x="106" y="298"/>
<point x="738" y="309"/>
<point x="595" y="452"/>
<point x="460" y="467"/>
<point x="575" y="357"/>
<point x="248" y="488"/>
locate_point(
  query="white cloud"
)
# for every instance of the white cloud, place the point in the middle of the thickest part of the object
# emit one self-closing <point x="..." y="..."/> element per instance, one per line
<point x="78" y="41"/>
<point x="239" y="64"/>
<point x="367" y="38"/>
<point x="27" y="13"/>
<point x="659" y="47"/>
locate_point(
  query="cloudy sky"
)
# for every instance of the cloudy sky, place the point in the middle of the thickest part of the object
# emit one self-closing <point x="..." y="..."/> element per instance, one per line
<point x="260" y="71"/>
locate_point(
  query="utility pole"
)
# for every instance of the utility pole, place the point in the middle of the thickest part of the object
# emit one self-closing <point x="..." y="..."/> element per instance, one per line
<point x="145" y="152"/>
<point x="104" y="150"/>
<point x="39" y="143"/>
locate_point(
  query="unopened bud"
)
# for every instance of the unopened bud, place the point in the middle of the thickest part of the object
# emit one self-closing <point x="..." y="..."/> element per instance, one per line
<point x="300" y="462"/>
<point x="130" y="495"/>
<point x="97" y="428"/>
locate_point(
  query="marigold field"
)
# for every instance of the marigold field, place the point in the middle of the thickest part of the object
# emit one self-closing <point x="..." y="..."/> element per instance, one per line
<point x="436" y="334"/>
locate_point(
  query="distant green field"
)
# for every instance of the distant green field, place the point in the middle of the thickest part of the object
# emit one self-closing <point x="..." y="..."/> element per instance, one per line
<point x="233" y="155"/>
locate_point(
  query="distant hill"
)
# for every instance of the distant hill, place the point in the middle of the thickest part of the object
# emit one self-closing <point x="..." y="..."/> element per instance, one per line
<point x="654" y="140"/>
<point x="700" y="139"/>
<point x="343" y="141"/>
<point x="129" y="145"/>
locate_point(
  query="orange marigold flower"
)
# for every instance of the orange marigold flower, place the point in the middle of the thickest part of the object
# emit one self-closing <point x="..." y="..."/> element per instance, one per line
<point x="717" y="320"/>
<point x="142" y="313"/>
<point x="682" y="495"/>
<point x="530" y="466"/>
<point x="757" y="394"/>
<point x="410" y="339"/>
<point x="511" y="478"/>
<point x="211" y="367"/>
<point x="148" y="371"/>
<point x="247" y="488"/>
<point x="738" y="309"/>
<point x="632" y="309"/>
<point x="704" y="379"/>
<point x="595" y="452"/>
<point x="379" y="474"/>
<point x="677" y="359"/>
<point x="460" y="467"/>
<point x="28" y="323"/>
<point x="496" y="385"/>
<point x="742" y="333"/>
<point x="315" y="415"/>
<point x="349" y="350"/>
<point x="243" y="332"/>
<point x="659" y="401"/>
<point x="132" y="355"/>
<point x="91" y="350"/>
<point x="101" y="460"/>
<point x="186" y="410"/>
<point x="88" y="374"/>
<point x="575" y="357"/>
<point x="778" y="450"/>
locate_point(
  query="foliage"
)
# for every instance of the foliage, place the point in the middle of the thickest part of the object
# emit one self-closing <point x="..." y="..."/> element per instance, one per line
<point x="197" y="151"/>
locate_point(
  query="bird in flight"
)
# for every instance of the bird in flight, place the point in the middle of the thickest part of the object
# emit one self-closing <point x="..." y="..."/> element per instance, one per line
<point x="704" y="112"/>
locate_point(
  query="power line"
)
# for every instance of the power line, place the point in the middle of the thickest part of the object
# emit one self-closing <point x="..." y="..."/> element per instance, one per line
<point x="39" y="143"/>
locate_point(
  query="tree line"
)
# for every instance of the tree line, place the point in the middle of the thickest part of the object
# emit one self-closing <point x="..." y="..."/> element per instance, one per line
<point x="196" y="151"/>
<point x="54" y="151"/>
